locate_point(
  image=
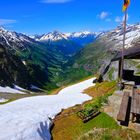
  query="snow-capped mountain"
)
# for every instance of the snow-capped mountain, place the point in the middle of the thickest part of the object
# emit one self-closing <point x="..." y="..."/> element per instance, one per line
<point x="80" y="34"/>
<point x="116" y="36"/>
<point x="60" y="42"/>
<point x="81" y="38"/>
<point x="54" y="36"/>
<point x="14" y="40"/>
<point x="36" y="37"/>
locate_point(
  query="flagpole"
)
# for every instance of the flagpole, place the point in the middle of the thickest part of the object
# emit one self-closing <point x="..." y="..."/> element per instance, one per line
<point x="123" y="48"/>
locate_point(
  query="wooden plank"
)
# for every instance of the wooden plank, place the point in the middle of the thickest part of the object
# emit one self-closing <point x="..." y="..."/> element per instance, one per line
<point x="132" y="104"/>
<point x="138" y="103"/>
<point x="123" y="108"/>
<point x="126" y="93"/>
<point x="134" y="101"/>
<point x="135" y="105"/>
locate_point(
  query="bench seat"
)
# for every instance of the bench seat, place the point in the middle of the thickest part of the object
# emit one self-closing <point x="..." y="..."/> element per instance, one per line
<point x="124" y="106"/>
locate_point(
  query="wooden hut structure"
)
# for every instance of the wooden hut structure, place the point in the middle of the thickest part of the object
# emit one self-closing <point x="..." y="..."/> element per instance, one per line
<point x="131" y="96"/>
<point x="130" y="53"/>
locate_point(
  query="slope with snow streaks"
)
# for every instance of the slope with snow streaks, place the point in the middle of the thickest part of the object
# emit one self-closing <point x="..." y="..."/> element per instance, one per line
<point x="16" y="90"/>
<point x="30" y="118"/>
<point x="116" y="36"/>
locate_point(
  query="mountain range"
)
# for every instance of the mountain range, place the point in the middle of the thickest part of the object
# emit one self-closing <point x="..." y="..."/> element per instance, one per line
<point x="67" y="43"/>
<point x="53" y="59"/>
<point x="81" y="38"/>
<point x="38" y="60"/>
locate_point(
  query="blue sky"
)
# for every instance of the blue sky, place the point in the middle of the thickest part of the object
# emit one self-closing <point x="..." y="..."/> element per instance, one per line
<point x="40" y="16"/>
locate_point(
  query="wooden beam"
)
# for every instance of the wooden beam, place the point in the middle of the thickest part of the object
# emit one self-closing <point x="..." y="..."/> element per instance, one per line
<point x="119" y="69"/>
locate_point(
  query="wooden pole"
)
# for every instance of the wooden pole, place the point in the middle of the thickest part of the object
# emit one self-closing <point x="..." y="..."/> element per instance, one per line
<point x="123" y="48"/>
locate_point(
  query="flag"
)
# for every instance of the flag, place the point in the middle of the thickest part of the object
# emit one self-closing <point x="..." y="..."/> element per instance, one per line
<point x="125" y="5"/>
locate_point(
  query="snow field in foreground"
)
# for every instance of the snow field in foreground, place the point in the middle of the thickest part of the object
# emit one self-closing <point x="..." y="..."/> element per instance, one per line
<point x="30" y="118"/>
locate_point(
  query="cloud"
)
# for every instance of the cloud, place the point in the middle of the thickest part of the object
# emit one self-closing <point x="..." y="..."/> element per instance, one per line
<point x="103" y="15"/>
<point x="55" y="1"/>
<point x="126" y="17"/>
<point x="121" y="19"/>
<point x="7" y="21"/>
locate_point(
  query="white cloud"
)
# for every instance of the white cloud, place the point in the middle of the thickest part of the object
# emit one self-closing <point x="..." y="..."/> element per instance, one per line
<point x="126" y="17"/>
<point x="103" y="15"/>
<point x="121" y="19"/>
<point x="7" y="21"/>
<point x="55" y="1"/>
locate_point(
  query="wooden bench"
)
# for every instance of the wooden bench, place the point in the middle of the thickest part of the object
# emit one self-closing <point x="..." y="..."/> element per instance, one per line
<point x="135" y="105"/>
<point x="124" y="106"/>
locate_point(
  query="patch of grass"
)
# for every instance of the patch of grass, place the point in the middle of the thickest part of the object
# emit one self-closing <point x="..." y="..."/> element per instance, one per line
<point x="137" y="74"/>
<point x="110" y="134"/>
<point x="102" y="91"/>
<point x="6" y="102"/>
<point x="97" y="102"/>
<point x="72" y="127"/>
<point x="73" y="76"/>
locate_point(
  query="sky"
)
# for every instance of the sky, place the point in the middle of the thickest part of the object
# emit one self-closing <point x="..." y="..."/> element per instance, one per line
<point x="42" y="16"/>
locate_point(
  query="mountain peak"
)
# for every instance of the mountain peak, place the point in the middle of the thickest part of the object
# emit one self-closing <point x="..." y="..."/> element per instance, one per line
<point x="53" y="36"/>
<point x="2" y="29"/>
<point x="81" y="38"/>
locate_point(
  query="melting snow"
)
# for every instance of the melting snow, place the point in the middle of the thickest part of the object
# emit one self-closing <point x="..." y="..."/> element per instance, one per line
<point x="11" y="90"/>
<point x="2" y="100"/>
<point x="30" y="118"/>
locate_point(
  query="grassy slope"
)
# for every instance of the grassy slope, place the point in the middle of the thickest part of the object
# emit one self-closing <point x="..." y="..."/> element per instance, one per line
<point x="72" y="127"/>
<point x="93" y="59"/>
<point x="111" y="134"/>
<point x="68" y="126"/>
<point x="42" y="64"/>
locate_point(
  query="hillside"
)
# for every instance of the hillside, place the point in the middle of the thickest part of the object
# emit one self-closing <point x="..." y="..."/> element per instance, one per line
<point x="54" y="60"/>
<point x="40" y="63"/>
<point x="12" y="70"/>
<point x="95" y="57"/>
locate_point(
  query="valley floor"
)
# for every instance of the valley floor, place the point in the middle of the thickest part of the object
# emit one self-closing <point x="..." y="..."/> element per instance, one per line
<point x="31" y="118"/>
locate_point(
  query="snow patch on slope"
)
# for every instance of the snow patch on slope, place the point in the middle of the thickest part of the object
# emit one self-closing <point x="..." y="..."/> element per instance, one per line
<point x="16" y="90"/>
<point x="53" y="36"/>
<point x="2" y="100"/>
<point x="132" y="33"/>
<point x="30" y="118"/>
